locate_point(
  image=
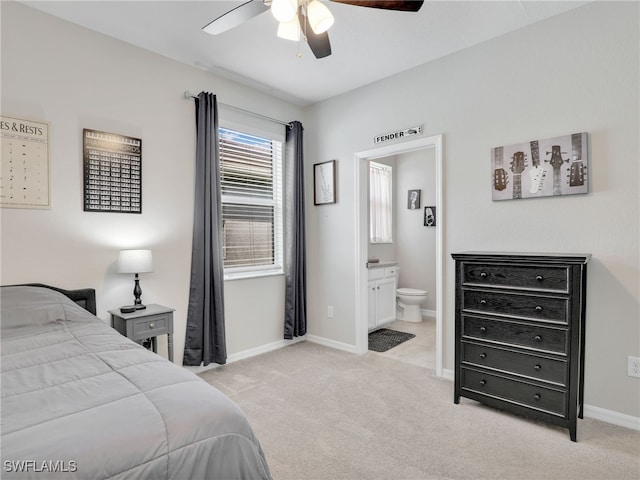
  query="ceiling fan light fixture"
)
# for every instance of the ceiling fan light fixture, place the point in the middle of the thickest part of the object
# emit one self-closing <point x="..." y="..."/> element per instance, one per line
<point x="289" y="30"/>
<point x="284" y="10"/>
<point x="320" y="18"/>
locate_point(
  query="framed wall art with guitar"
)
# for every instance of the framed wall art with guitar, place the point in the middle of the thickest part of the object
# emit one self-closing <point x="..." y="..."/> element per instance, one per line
<point x="324" y="182"/>
<point x="540" y="168"/>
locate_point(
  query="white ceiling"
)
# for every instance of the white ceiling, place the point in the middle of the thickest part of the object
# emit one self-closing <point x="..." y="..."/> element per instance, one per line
<point x="368" y="44"/>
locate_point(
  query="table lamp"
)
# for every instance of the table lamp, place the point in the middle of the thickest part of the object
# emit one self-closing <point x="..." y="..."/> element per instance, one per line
<point x="135" y="261"/>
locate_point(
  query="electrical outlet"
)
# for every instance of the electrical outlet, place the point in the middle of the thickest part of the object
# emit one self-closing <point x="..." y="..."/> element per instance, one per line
<point x="633" y="367"/>
<point x="330" y="311"/>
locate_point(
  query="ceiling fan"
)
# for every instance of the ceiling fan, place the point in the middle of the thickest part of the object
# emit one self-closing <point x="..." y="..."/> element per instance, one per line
<point x="307" y="18"/>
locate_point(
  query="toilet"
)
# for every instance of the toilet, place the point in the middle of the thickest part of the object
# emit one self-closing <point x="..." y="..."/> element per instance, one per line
<point x="410" y="300"/>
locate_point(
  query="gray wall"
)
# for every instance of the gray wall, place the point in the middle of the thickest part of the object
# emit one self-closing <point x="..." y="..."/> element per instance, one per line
<point x="571" y="73"/>
<point x="63" y="74"/>
<point x="416" y="244"/>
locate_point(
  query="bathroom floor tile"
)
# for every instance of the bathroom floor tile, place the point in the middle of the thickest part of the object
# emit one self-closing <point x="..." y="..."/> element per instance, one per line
<point x="420" y="350"/>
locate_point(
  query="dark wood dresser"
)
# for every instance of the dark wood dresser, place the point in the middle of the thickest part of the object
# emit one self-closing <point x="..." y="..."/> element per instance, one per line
<point x="519" y="338"/>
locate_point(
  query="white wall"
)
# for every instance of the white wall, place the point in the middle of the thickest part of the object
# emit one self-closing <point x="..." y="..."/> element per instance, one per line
<point x="73" y="78"/>
<point x="571" y="73"/>
<point x="416" y="244"/>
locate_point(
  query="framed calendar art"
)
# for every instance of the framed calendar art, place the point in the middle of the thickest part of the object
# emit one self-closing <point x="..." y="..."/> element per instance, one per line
<point x="25" y="170"/>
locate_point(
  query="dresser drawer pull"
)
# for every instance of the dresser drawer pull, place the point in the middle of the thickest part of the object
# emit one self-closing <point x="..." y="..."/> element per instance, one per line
<point x="537" y="368"/>
<point x="151" y="325"/>
<point x="483" y="302"/>
<point x="537" y="338"/>
<point x="539" y="278"/>
<point x="483" y="275"/>
<point x="483" y="355"/>
<point x="483" y="329"/>
<point x="483" y="382"/>
<point x="537" y="396"/>
<point x="538" y="308"/>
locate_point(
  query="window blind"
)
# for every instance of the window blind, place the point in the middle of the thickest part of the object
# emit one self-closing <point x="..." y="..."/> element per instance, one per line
<point x="251" y="191"/>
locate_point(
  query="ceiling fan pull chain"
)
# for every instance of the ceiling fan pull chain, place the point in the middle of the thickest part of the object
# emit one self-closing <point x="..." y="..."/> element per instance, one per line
<point x="304" y="32"/>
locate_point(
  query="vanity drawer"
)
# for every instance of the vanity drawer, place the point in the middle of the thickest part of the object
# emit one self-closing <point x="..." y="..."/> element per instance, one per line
<point x="517" y="276"/>
<point x="515" y="391"/>
<point x="537" y="337"/>
<point x="542" y="368"/>
<point x="517" y="305"/>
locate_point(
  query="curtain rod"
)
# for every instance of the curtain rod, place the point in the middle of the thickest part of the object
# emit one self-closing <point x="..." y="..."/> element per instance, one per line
<point x="188" y="95"/>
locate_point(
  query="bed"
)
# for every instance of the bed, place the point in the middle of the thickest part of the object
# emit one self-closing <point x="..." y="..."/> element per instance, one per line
<point x="79" y="400"/>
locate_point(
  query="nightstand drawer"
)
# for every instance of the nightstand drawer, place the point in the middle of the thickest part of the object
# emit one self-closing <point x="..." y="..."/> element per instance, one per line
<point x="517" y="305"/>
<point x="506" y="332"/>
<point x="517" y="276"/>
<point x="150" y="326"/>
<point x="527" y="394"/>
<point x="510" y="361"/>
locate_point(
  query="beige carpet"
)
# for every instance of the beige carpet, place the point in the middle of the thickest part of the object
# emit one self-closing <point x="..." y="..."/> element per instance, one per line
<point x="325" y="414"/>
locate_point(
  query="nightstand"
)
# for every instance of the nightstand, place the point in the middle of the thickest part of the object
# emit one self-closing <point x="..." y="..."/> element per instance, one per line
<point x="147" y="323"/>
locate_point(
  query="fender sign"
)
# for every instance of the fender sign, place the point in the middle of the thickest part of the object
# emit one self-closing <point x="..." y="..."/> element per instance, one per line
<point x="407" y="132"/>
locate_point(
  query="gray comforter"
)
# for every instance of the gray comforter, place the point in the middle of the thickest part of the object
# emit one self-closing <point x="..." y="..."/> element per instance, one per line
<point x="81" y="401"/>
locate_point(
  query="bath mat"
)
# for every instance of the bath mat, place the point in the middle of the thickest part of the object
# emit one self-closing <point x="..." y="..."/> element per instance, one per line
<point x="385" y="339"/>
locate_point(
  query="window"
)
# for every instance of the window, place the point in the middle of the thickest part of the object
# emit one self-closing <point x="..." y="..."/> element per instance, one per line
<point x="251" y="192"/>
<point x="380" y="203"/>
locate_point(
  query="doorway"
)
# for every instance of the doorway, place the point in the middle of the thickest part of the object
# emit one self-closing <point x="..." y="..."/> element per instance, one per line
<point x="361" y="202"/>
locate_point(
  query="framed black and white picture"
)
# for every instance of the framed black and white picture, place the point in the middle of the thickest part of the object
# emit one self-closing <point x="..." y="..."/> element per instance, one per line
<point x="324" y="183"/>
<point x="430" y="216"/>
<point x="540" y="168"/>
<point x="413" y="199"/>
<point x="112" y="172"/>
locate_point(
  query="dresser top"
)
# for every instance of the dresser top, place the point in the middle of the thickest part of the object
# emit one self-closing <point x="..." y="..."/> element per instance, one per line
<point x="524" y="256"/>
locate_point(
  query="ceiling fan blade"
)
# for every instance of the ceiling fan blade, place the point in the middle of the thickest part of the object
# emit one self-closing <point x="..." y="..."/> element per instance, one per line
<point x="235" y="17"/>
<point x="400" y="5"/>
<point x="318" y="42"/>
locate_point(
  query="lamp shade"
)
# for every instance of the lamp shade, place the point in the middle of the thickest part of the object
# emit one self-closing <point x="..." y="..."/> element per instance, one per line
<point x="135" y="261"/>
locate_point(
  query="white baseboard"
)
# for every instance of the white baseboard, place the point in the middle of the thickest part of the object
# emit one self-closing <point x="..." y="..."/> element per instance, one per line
<point x="252" y="352"/>
<point x="332" y="343"/>
<point x="448" y="374"/>
<point x="428" y="313"/>
<point x="609" y="416"/>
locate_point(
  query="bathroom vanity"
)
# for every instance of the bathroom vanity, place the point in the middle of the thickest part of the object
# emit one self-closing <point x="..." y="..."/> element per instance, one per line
<point x="382" y="294"/>
<point x="519" y="333"/>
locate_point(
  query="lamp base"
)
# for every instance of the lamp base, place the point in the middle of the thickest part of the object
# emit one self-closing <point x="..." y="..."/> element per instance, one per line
<point x="132" y="308"/>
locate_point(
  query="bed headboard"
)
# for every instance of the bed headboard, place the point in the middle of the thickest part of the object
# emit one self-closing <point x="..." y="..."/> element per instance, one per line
<point x="85" y="297"/>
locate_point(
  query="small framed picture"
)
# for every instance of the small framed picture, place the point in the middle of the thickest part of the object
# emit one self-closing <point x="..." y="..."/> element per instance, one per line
<point x="429" y="216"/>
<point x="413" y="199"/>
<point x="324" y="182"/>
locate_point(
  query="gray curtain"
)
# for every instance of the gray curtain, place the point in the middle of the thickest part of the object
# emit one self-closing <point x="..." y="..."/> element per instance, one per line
<point x="295" y="314"/>
<point x="205" y="337"/>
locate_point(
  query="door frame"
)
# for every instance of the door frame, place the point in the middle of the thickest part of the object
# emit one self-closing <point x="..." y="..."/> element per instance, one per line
<point x="361" y="215"/>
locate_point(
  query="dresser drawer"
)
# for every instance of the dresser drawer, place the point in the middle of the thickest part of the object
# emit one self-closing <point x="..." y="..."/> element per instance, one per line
<point x="542" y="368"/>
<point x="517" y="305"/>
<point x="150" y="326"/>
<point x="537" y="337"/>
<point x="517" y="276"/>
<point x="530" y="395"/>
